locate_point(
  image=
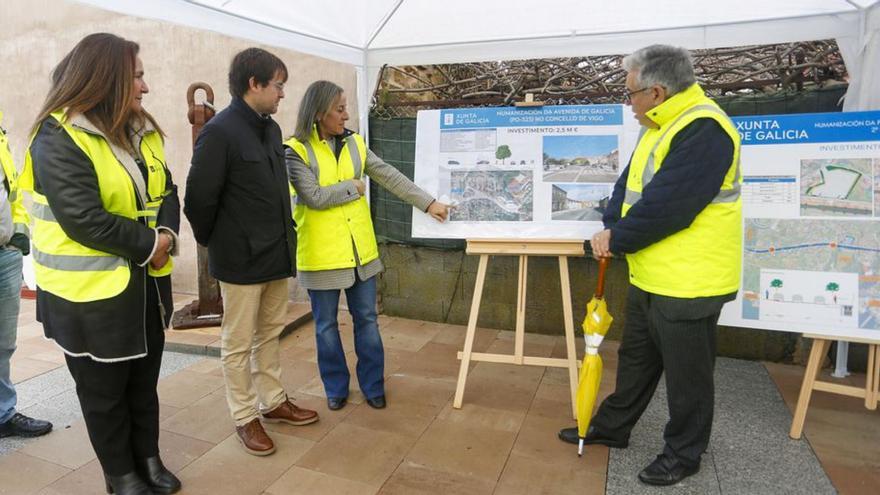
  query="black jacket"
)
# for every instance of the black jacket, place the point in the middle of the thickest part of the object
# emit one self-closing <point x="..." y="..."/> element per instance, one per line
<point x="110" y="329"/>
<point x="237" y="199"/>
<point x="690" y="178"/>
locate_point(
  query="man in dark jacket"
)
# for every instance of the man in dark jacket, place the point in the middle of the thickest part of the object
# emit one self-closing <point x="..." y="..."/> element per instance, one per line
<point x="238" y="204"/>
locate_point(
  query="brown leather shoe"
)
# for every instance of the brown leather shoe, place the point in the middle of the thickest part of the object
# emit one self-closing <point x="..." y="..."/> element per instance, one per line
<point x="289" y="413"/>
<point x="254" y="438"/>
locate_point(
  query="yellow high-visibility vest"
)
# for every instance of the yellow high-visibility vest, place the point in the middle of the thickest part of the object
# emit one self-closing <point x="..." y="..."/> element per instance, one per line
<point x="704" y="259"/>
<point x="324" y="237"/>
<point x="20" y="219"/>
<point x="69" y="269"/>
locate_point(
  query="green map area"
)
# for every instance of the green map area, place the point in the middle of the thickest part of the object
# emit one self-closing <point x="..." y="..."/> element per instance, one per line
<point x="837" y="187"/>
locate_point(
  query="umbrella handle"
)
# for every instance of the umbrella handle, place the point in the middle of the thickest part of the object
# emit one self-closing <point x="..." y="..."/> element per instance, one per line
<point x="600" y="285"/>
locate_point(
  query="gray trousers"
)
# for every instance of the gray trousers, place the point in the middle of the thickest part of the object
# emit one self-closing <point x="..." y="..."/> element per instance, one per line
<point x="677" y="337"/>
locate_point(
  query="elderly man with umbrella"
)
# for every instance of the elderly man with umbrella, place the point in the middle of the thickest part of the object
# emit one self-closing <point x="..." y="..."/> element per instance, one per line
<point x="676" y="213"/>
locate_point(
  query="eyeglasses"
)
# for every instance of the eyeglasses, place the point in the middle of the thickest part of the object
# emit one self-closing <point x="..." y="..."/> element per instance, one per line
<point x="279" y="86"/>
<point x="627" y="94"/>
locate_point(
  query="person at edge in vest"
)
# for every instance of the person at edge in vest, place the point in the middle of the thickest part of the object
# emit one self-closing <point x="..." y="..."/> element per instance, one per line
<point x="14" y="243"/>
<point x="676" y="214"/>
<point x="106" y="216"/>
<point x="336" y="247"/>
<point x="238" y="205"/>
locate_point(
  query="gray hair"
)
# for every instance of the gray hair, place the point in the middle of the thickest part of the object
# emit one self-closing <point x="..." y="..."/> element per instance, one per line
<point x="663" y="65"/>
<point x="315" y="103"/>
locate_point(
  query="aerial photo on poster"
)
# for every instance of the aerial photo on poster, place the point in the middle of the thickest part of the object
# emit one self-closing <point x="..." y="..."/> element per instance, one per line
<point x="837" y="187"/>
<point x="491" y="195"/>
<point x="591" y="158"/>
<point x="580" y="202"/>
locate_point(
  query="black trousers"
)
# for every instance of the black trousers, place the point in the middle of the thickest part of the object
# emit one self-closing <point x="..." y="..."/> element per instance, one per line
<point x="119" y="400"/>
<point x="678" y="337"/>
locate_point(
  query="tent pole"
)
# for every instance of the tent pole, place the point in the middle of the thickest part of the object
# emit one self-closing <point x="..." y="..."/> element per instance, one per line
<point x="842" y="356"/>
<point x="363" y="97"/>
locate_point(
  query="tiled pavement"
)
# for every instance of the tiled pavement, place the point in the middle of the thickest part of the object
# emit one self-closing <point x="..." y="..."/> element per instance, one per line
<point x="502" y="441"/>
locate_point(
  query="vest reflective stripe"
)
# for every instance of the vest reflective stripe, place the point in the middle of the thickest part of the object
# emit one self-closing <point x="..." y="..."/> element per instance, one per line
<point x="153" y="152"/>
<point x="705" y="258"/>
<point x="42" y="212"/>
<point x="356" y="161"/>
<point x="72" y="263"/>
<point x="724" y="196"/>
<point x="313" y="160"/>
<point x="20" y="219"/>
<point x="631" y="197"/>
<point x="355" y="158"/>
<point x="74" y="271"/>
<point x="327" y="239"/>
<point x="730" y="195"/>
<point x="313" y="165"/>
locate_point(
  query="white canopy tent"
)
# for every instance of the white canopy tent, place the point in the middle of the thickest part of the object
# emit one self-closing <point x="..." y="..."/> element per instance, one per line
<point x="370" y="34"/>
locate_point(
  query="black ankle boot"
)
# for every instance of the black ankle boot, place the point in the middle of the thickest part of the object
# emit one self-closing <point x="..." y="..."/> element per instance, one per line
<point x="127" y="484"/>
<point x="157" y="476"/>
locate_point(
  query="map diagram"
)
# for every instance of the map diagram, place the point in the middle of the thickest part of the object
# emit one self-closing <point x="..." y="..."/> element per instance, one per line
<point x="877" y="187"/>
<point x="837" y="187"/>
<point x="491" y="196"/>
<point x="822" y="272"/>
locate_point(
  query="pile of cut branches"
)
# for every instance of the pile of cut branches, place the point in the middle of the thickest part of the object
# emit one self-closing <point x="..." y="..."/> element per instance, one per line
<point x="600" y="79"/>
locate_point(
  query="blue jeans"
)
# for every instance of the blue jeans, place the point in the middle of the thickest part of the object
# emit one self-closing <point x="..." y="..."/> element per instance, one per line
<point x="367" y="341"/>
<point x="10" y="294"/>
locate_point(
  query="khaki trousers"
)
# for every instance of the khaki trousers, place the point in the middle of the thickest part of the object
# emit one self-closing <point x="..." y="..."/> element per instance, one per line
<point x="253" y="317"/>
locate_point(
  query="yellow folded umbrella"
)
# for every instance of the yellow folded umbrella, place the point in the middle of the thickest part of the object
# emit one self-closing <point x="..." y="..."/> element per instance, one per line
<point x="595" y="325"/>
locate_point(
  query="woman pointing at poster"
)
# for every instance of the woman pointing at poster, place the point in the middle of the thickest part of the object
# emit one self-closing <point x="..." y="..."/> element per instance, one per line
<point x="336" y="244"/>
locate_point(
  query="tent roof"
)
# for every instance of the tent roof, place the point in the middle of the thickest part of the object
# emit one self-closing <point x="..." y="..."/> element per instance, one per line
<point x="428" y="31"/>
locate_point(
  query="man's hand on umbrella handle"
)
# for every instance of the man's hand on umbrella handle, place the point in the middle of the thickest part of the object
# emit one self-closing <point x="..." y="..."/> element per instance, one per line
<point x="601" y="244"/>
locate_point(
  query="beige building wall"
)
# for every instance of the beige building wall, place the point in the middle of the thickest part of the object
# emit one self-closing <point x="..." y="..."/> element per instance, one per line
<point x="36" y="34"/>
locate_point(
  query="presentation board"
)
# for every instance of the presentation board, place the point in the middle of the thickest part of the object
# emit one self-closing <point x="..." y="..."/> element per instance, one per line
<point x="811" y="199"/>
<point x="811" y="231"/>
<point x="522" y="173"/>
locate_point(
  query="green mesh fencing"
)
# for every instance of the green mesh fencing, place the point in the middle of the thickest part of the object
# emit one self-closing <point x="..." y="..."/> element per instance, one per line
<point x="814" y="101"/>
<point x="395" y="141"/>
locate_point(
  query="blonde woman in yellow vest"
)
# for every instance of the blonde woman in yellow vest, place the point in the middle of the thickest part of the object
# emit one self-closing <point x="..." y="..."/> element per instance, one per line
<point x="106" y="213"/>
<point x="676" y="213"/>
<point x="336" y="245"/>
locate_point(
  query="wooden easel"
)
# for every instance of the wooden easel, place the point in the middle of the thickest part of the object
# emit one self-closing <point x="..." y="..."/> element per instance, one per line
<point x="871" y="391"/>
<point x="522" y="248"/>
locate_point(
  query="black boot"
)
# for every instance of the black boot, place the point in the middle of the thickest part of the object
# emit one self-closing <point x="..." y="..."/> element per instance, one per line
<point x="127" y="484"/>
<point x="160" y="479"/>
